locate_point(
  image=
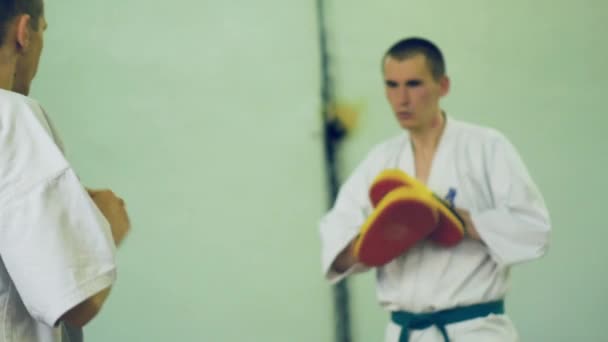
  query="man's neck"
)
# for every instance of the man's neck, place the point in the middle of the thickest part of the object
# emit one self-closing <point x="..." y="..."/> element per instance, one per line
<point x="427" y="139"/>
<point x="7" y="76"/>
<point x="7" y="71"/>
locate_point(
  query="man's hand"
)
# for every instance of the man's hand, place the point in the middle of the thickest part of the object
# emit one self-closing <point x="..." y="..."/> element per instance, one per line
<point x="469" y="226"/>
<point x="113" y="208"/>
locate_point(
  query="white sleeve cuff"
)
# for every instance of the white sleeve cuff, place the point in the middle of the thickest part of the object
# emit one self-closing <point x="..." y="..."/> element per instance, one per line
<point x="79" y="295"/>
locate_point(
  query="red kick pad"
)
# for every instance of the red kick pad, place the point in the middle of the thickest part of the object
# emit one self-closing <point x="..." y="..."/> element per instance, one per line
<point x="403" y="217"/>
<point x="450" y="228"/>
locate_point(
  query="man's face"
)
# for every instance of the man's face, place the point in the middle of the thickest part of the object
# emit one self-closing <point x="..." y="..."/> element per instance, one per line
<point x="412" y="91"/>
<point x="27" y="63"/>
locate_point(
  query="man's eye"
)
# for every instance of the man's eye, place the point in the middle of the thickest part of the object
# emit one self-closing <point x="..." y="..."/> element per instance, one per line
<point x="391" y="84"/>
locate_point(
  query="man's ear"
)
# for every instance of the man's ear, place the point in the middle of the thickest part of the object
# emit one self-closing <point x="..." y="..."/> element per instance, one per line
<point x="444" y="84"/>
<point x="23" y="31"/>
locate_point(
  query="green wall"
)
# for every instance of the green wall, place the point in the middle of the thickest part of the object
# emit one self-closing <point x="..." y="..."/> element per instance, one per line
<point x="205" y="117"/>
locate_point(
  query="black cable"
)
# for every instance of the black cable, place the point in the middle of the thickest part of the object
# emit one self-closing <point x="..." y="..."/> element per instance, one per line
<point x="333" y="134"/>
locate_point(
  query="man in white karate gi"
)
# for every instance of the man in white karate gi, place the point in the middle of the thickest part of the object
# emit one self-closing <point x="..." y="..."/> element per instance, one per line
<point x="436" y="293"/>
<point x="57" y="239"/>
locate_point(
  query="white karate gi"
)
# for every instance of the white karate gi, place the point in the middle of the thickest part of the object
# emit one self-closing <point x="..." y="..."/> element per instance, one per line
<point x="56" y="247"/>
<point x="506" y="207"/>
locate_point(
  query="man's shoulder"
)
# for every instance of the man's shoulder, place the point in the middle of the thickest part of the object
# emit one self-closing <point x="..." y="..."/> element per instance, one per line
<point x="11" y="98"/>
<point x="17" y="110"/>
<point x="478" y="133"/>
<point x="14" y="105"/>
<point x="7" y="95"/>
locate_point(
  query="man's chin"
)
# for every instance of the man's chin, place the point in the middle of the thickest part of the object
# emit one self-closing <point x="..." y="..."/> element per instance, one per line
<point x="407" y="124"/>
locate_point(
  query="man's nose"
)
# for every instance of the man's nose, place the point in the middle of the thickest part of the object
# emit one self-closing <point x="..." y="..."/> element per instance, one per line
<point x="404" y="97"/>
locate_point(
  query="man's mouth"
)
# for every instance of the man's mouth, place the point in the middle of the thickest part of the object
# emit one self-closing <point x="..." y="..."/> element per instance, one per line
<point x="404" y="115"/>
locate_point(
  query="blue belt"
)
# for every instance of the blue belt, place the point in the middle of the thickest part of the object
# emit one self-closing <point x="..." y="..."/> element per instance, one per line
<point x="411" y="321"/>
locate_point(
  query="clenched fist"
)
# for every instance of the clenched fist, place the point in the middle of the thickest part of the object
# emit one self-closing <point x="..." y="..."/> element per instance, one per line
<point x="113" y="208"/>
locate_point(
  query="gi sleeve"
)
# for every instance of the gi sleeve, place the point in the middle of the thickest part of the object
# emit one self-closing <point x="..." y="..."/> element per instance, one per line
<point x="56" y="245"/>
<point x="517" y="227"/>
<point x="343" y="222"/>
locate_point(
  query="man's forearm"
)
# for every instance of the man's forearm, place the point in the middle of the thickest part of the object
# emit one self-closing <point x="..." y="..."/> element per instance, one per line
<point x="85" y="311"/>
<point x="346" y="259"/>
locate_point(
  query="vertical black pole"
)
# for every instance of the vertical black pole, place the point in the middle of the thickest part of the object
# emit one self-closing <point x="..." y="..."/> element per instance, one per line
<point x="333" y="135"/>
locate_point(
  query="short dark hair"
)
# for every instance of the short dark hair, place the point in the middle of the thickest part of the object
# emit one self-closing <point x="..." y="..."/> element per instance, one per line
<point x="9" y="9"/>
<point x="413" y="46"/>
